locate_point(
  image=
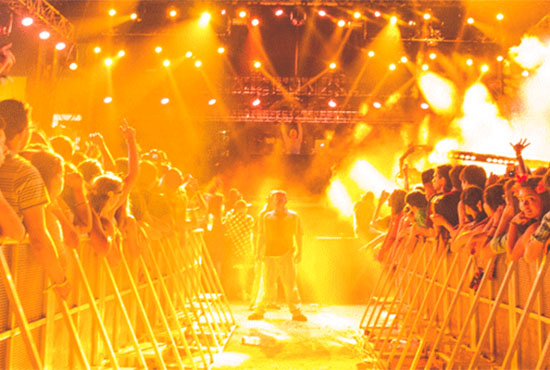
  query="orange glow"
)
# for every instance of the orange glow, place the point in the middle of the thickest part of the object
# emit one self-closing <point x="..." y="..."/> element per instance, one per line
<point x="44" y="35"/>
<point x="439" y="92"/>
<point x="27" y="21"/>
<point x="204" y="20"/>
<point x="441" y="150"/>
<point x="367" y="177"/>
<point x="361" y="131"/>
<point x="530" y="53"/>
<point x="393" y="20"/>
<point x="339" y="198"/>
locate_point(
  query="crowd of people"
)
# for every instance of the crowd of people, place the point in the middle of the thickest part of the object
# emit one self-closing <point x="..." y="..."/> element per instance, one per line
<point x="59" y="193"/>
<point x="460" y="206"/>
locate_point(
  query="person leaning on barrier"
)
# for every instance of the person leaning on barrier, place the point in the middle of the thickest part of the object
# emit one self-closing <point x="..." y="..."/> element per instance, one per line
<point x="24" y="190"/>
<point x="534" y="248"/>
<point x="534" y="203"/>
<point x="10" y="224"/>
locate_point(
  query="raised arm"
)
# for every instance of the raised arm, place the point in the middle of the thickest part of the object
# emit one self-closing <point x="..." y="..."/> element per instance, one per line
<point x="518" y="149"/>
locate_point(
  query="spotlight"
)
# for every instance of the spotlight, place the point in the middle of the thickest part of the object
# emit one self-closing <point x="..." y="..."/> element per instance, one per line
<point x="108" y="62"/>
<point x="121" y="53"/>
<point x="377" y="105"/>
<point x="107" y="100"/>
<point x="166" y="63"/>
<point x="73" y="66"/>
<point x="332" y="103"/>
<point x="427" y="16"/>
<point x="392" y="67"/>
<point x="357" y="15"/>
<point x="189" y="54"/>
<point x="223" y="12"/>
<point x="27" y="21"/>
<point x="484" y="68"/>
<point x="500" y="16"/>
<point x="341" y="23"/>
<point x="425" y="67"/>
<point x="377" y="14"/>
<point x="322" y="13"/>
<point x="404" y="59"/>
<point x="221" y="50"/>
<point x="133" y="16"/>
<point x="257" y="64"/>
<point x="256" y="102"/>
<point x="525" y="73"/>
<point x="204" y="20"/>
<point x="44" y="35"/>
<point x="112" y="12"/>
<point x="279" y="12"/>
<point x="212" y="101"/>
<point x="470" y="20"/>
<point x="469" y="62"/>
<point x="172" y="13"/>
<point x="198" y="63"/>
<point x="164" y="101"/>
<point x="393" y="20"/>
<point x="332" y="65"/>
<point x="255" y="22"/>
<point x="97" y="50"/>
<point x="158" y="49"/>
<point x="424" y="106"/>
<point x="60" y="46"/>
<point x="242" y="14"/>
<point x="433" y="56"/>
<point x="500" y="58"/>
<point x="370" y="54"/>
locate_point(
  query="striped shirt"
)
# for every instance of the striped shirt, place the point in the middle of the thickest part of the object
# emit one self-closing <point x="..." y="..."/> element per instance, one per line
<point x="22" y="184"/>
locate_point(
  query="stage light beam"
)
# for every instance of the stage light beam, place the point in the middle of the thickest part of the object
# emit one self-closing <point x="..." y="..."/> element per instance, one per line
<point x="204" y="20"/>
<point x="27" y="21"/>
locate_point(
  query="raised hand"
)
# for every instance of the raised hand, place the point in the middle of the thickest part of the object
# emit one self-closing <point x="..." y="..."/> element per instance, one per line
<point x="519" y="146"/>
<point x="96" y="138"/>
<point x="128" y="132"/>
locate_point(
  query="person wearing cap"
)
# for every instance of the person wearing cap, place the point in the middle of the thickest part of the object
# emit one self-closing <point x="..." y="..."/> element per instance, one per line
<point x="281" y="250"/>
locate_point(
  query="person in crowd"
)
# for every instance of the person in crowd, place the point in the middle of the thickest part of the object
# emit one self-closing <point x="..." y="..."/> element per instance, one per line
<point x="281" y="251"/>
<point x="24" y="189"/>
<point x="10" y="224"/>
<point x="215" y="235"/>
<point x="90" y="169"/>
<point x="473" y="176"/>
<point x="421" y="225"/>
<point x="534" y="248"/>
<point x="534" y="203"/>
<point x="96" y="140"/>
<point x="427" y="183"/>
<point x="233" y="196"/>
<point x="397" y="205"/>
<point x="238" y="229"/>
<point x="63" y="146"/>
<point x="58" y="215"/>
<point x="107" y="194"/>
<point x="74" y="196"/>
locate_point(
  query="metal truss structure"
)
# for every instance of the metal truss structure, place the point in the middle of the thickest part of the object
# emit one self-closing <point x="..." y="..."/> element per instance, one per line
<point x="494" y="159"/>
<point x="44" y="11"/>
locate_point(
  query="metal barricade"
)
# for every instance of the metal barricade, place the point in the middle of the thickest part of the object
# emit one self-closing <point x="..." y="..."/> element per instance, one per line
<point x="423" y="314"/>
<point x="162" y="308"/>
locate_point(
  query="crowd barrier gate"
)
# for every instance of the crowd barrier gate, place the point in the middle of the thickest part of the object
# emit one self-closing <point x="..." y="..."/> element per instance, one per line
<point x="423" y="313"/>
<point x="162" y="308"/>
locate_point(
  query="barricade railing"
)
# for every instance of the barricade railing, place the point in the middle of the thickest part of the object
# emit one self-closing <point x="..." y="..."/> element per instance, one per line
<point x="426" y="312"/>
<point x="161" y="308"/>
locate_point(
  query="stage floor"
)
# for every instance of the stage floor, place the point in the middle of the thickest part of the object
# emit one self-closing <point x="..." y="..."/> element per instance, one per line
<point x="328" y="340"/>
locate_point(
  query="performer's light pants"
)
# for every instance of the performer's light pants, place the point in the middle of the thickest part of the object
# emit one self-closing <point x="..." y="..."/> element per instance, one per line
<point x="285" y="268"/>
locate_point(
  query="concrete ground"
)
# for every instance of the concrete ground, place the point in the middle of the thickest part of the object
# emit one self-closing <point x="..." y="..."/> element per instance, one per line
<point x="329" y="340"/>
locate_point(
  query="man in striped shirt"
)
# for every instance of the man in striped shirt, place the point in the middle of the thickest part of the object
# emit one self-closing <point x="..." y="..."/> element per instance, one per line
<point x="25" y="191"/>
